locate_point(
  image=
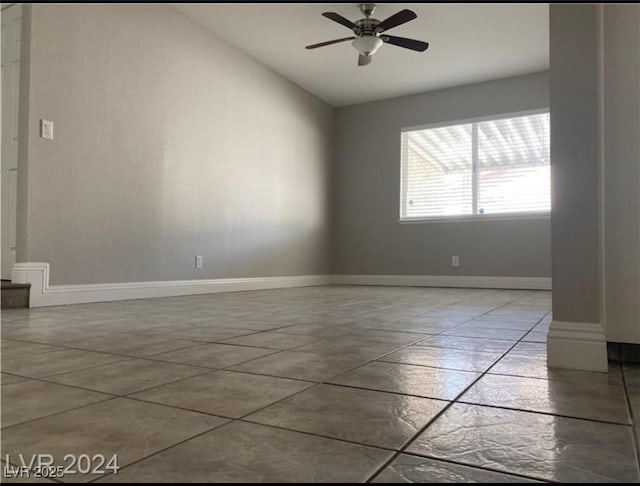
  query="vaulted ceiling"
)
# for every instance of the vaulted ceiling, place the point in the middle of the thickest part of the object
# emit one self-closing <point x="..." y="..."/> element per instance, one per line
<point x="468" y="43"/>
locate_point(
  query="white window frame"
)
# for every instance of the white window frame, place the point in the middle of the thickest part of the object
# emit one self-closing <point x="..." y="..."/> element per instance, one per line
<point x="403" y="219"/>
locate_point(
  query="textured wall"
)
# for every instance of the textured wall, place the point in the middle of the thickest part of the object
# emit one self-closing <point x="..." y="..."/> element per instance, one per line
<point x="621" y="77"/>
<point x="575" y="162"/>
<point x="168" y="143"/>
<point x="368" y="239"/>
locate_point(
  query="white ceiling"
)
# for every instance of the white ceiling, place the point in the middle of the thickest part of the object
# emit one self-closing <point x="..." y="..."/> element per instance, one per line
<point x="468" y="43"/>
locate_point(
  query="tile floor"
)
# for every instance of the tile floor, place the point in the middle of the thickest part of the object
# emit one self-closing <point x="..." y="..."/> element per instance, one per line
<point x="340" y="384"/>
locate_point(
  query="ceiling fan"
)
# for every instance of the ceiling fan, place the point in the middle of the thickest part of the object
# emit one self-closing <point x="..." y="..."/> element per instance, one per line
<point x="369" y="33"/>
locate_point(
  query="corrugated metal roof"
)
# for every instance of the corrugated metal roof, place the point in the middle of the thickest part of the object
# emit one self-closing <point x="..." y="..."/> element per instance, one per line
<point x="521" y="141"/>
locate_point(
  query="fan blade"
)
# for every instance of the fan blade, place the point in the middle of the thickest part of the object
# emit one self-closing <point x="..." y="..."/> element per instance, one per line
<point x="340" y="19"/>
<point x="412" y="44"/>
<point x="364" y="60"/>
<point x="328" y="43"/>
<point x="402" y="17"/>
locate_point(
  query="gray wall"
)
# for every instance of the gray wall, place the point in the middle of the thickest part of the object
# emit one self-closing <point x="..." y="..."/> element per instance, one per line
<point x="575" y="162"/>
<point x="168" y="143"/>
<point x="368" y="239"/>
<point x="621" y="110"/>
<point x="22" y="203"/>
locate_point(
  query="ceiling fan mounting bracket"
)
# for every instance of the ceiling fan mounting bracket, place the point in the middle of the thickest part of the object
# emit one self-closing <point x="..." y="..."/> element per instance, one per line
<point x="367" y="9"/>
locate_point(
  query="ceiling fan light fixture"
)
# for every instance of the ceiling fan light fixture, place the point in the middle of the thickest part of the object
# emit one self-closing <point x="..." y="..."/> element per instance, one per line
<point x="367" y="38"/>
<point x="367" y="44"/>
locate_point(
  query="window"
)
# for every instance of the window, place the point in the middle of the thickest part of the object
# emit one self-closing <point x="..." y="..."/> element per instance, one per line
<point x="488" y="167"/>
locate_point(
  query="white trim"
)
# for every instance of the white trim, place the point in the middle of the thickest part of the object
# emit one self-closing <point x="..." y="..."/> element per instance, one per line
<point x="577" y="346"/>
<point x="460" y="218"/>
<point x="44" y="294"/>
<point x="476" y="119"/>
<point x="474" y="169"/>
<point x="525" y="283"/>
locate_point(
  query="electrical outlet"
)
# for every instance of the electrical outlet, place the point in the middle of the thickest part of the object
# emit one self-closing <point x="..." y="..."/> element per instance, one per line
<point x="198" y="261"/>
<point x="455" y="261"/>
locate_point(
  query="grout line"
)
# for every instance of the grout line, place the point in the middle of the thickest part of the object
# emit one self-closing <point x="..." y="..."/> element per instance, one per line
<point x="480" y="468"/>
<point x="635" y="421"/>
<point x="377" y="390"/>
<point x="4" y="429"/>
<point x="162" y="450"/>
<point x="314" y="384"/>
<point x="156" y="357"/>
<point x="178" y="407"/>
<point x="315" y="434"/>
<point x="203" y="371"/>
<point x="40" y="378"/>
<point x="65" y="347"/>
<point x="254" y="373"/>
<point x="441" y="412"/>
<point x="539" y="412"/>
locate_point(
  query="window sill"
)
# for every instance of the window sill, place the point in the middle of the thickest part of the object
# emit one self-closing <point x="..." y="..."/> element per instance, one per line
<point x="477" y="217"/>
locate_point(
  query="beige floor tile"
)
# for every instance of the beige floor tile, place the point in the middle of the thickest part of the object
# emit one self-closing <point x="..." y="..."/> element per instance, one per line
<point x="18" y="349"/>
<point x="530" y="349"/>
<point x="536" y="445"/>
<point x="129" y="428"/>
<point x="413" y="469"/>
<point x="451" y="334"/>
<point x="224" y="393"/>
<point x="242" y="452"/>
<point x="536" y="367"/>
<point x="634" y="400"/>
<point x="207" y="334"/>
<point x="214" y="355"/>
<point x="128" y="376"/>
<point x="536" y="337"/>
<point x="320" y="330"/>
<point x="131" y="345"/>
<point x="368" y="349"/>
<point x="581" y="399"/>
<point x="632" y="375"/>
<point x="256" y="324"/>
<point x="30" y="399"/>
<point x="362" y="416"/>
<point x="302" y="366"/>
<point x="418" y="328"/>
<point x="159" y="329"/>
<point x="484" y="324"/>
<point x="408" y="379"/>
<point x="455" y="359"/>
<point x="468" y="343"/>
<point x="59" y="336"/>
<point x="272" y="340"/>
<point x="377" y="336"/>
<point x="57" y="362"/>
<point x="515" y="316"/>
<point x="486" y="333"/>
<point x="6" y="379"/>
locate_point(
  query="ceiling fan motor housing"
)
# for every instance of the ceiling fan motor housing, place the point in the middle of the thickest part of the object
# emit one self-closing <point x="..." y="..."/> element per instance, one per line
<point x="368" y="41"/>
<point x="367" y="26"/>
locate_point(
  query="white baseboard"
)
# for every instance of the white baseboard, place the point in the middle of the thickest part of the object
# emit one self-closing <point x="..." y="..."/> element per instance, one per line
<point x="577" y="346"/>
<point x="43" y="294"/>
<point x="525" y="283"/>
